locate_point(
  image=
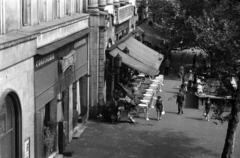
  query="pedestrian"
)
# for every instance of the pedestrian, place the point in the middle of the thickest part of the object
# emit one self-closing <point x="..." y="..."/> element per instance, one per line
<point x="181" y="73"/>
<point x="159" y="107"/>
<point x="194" y="61"/>
<point x="190" y="78"/>
<point x="179" y="101"/>
<point x="167" y="65"/>
<point x="207" y="108"/>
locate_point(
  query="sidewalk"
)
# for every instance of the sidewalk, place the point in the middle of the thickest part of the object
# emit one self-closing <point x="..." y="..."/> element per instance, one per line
<point x="175" y="136"/>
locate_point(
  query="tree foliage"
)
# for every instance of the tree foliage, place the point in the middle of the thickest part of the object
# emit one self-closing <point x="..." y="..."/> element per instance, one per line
<point x="214" y="26"/>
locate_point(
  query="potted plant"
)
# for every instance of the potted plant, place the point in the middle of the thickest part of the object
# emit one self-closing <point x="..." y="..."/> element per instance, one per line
<point x="49" y="138"/>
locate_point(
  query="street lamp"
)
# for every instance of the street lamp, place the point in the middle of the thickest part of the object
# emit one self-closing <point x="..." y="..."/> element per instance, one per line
<point x="118" y="65"/>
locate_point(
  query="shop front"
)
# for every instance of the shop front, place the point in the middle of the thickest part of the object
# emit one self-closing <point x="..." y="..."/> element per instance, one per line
<point x="61" y="83"/>
<point x="122" y="30"/>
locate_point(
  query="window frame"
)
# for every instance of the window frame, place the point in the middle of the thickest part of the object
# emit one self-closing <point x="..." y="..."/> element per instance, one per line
<point x="56" y="9"/>
<point x="26" y="12"/>
<point x="42" y="17"/>
<point x="68" y="7"/>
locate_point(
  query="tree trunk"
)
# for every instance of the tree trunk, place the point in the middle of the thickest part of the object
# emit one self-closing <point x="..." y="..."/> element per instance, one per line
<point x="228" y="150"/>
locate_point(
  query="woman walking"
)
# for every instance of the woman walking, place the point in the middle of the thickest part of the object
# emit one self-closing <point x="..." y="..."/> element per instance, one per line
<point x="159" y="107"/>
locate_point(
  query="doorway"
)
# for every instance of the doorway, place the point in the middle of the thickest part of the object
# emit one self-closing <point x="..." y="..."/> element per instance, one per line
<point x="10" y="146"/>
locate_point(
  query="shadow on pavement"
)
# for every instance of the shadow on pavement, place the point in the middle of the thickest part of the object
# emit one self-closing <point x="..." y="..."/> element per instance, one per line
<point x="191" y="101"/>
<point x="170" y="112"/>
<point x="171" y="92"/>
<point x="101" y="141"/>
<point x="200" y="119"/>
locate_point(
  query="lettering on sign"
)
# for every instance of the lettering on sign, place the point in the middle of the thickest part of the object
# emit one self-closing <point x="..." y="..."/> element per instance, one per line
<point x="27" y="148"/>
<point x="67" y="61"/>
<point x="45" y="60"/>
<point x="80" y="43"/>
<point x="124" y="13"/>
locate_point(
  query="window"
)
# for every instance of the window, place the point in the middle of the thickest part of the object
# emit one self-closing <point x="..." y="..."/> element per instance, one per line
<point x="74" y="2"/>
<point x="79" y="6"/>
<point x="56" y="9"/>
<point x="42" y="10"/>
<point x="68" y="7"/>
<point x="1" y="18"/>
<point x="26" y="12"/>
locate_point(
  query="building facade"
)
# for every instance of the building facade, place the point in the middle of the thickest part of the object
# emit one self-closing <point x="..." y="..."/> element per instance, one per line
<point x="44" y="75"/>
<point x="110" y="21"/>
<point x="52" y="69"/>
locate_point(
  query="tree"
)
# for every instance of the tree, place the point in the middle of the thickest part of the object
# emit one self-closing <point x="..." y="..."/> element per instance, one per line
<point x="214" y="26"/>
<point x="217" y="32"/>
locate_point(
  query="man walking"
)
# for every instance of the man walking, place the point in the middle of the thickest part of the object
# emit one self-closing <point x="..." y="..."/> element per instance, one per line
<point x="167" y="65"/>
<point x="179" y="101"/>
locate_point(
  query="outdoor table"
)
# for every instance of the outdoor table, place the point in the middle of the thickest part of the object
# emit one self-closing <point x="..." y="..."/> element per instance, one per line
<point x="202" y="98"/>
<point x="142" y="105"/>
<point x="145" y="101"/>
<point x="147" y="95"/>
<point x="153" y="85"/>
<point x="149" y="90"/>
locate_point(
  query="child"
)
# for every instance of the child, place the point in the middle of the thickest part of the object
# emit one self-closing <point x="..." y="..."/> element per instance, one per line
<point x="159" y="107"/>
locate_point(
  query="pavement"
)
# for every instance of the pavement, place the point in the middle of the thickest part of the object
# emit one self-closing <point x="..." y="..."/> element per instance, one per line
<point x="174" y="136"/>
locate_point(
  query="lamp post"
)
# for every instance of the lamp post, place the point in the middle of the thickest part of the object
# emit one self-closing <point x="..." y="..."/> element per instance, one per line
<point x="118" y="65"/>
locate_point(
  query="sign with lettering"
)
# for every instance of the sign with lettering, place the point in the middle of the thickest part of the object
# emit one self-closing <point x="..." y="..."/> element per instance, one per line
<point x="80" y="43"/>
<point x="27" y="148"/>
<point x="124" y="13"/>
<point x="41" y="61"/>
<point x="68" y="61"/>
<point x="44" y="60"/>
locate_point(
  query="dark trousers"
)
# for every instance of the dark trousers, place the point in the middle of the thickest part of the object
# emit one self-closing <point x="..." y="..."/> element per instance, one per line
<point x="159" y="110"/>
<point x="180" y="108"/>
<point x="166" y="70"/>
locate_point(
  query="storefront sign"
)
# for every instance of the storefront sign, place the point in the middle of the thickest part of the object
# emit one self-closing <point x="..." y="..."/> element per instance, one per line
<point x="44" y="61"/>
<point x="68" y="61"/>
<point x="124" y="13"/>
<point x="80" y="43"/>
<point x="27" y="148"/>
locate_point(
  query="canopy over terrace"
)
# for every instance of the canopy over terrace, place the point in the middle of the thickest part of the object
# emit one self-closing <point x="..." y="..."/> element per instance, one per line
<point x="142" y="53"/>
<point x="133" y="63"/>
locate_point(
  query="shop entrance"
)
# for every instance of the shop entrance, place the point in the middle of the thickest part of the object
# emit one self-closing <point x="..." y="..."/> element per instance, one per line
<point x="9" y="128"/>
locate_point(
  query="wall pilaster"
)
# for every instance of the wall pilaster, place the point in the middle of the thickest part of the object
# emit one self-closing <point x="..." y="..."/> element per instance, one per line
<point x="122" y="2"/>
<point x="93" y="6"/>
<point x="110" y="2"/>
<point x="94" y="58"/>
<point x="102" y="88"/>
<point x="116" y="3"/>
<point x="102" y="4"/>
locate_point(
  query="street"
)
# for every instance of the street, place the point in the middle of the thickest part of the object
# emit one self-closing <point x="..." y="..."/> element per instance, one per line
<point x="175" y="136"/>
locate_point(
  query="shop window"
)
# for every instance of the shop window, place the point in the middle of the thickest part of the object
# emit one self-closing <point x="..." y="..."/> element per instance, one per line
<point x="75" y="104"/>
<point x="50" y="127"/>
<point x="42" y="10"/>
<point x="56" y="9"/>
<point x="26" y="9"/>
